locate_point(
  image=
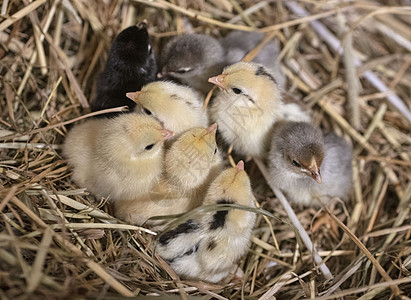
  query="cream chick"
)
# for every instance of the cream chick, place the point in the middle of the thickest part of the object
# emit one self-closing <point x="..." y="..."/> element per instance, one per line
<point x="189" y="160"/>
<point x="177" y="107"/>
<point x="119" y="158"/>
<point x="206" y="248"/>
<point x="306" y="165"/>
<point x="247" y="106"/>
<point x="190" y="164"/>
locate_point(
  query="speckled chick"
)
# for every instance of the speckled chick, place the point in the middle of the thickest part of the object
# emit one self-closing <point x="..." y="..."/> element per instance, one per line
<point x="306" y="165"/>
<point x="207" y="248"/>
<point x="190" y="164"/>
<point x="176" y="106"/>
<point x="119" y="158"/>
<point x="192" y="59"/>
<point x="247" y="106"/>
<point x="130" y="65"/>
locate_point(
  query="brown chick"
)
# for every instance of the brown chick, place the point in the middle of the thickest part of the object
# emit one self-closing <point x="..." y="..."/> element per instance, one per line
<point x="118" y="158"/>
<point x="306" y="165"/>
<point x="247" y="106"/>
<point x="207" y="247"/>
<point x="190" y="164"/>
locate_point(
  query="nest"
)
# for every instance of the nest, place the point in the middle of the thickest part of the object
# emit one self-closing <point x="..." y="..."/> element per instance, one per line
<point x="58" y="241"/>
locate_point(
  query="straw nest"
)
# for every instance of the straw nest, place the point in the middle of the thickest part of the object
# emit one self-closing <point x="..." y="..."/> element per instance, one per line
<point x="57" y="241"/>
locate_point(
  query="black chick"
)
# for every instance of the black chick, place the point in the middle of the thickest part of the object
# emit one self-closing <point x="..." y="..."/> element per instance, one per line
<point x="130" y="65"/>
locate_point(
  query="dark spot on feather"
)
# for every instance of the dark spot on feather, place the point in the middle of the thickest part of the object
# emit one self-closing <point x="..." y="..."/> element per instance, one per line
<point x="251" y="99"/>
<point x="183" y="228"/>
<point x="187" y="253"/>
<point x="211" y="245"/>
<point x="192" y="250"/>
<point x="261" y="71"/>
<point x="190" y="104"/>
<point x="219" y="216"/>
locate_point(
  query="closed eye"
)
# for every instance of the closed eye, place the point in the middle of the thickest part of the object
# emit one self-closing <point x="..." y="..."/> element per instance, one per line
<point x="296" y="164"/>
<point x="183" y="70"/>
<point x="149" y="147"/>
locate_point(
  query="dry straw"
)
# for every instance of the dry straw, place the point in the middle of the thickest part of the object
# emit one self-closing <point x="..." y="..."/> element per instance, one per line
<point x="57" y="241"/>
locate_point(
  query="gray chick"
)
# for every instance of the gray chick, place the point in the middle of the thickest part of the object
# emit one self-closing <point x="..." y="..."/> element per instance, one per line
<point x="192" y="59"/>
<point x="307" y="165"/>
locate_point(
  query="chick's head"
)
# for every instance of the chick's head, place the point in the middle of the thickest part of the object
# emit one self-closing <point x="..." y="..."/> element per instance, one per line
<point x="133" y="137"/>
<point x="249" y="85"/>
<point x="189" y="159"/>
<point x="302" y="148"/>
<point x="131" y="46"/>
<point x="189" y="54"/>
<point x="231" y="186"/>
<point x="175" y="106"/>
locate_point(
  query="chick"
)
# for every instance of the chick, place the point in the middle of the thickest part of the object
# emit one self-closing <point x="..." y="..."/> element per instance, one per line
<point x="189" y="160"/>
<point x="238" y="43"/>
<point x="130" y="65"/>
<point x="177" y="107"/>
<point x="306" y="165"/>
<point x="192" y="59"/>
<point x="119" y="158"/>
<point x="247" y="106"/>
<point x="190" y="165"/>
<point x="207" y="247"/>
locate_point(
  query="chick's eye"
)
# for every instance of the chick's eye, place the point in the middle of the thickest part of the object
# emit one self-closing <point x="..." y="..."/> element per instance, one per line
<point x="183" y="70"/>
<point x="146" y="111"/>
<point x="215" y="150"/>
<point x="236" y="91"/>
<point x="149" y="147"/>
<point x="296" y="164"/>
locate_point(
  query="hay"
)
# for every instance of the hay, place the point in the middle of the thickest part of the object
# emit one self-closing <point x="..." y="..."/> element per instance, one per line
<point x="56" y="241"/>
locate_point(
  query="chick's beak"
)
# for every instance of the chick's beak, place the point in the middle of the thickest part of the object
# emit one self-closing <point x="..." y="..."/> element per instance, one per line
<point x="240" y="166"/>
<point x="212" y="129"/>
<point x="162" y="73"/>
<point x="218" y="81"/>
<point x="315" y="174"/>
<point x="167" y="133"/>
<point x="133" y="96"/>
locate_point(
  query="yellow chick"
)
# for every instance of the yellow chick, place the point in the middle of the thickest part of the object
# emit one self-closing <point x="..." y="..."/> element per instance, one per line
<point x="189" y="160"/>
<point x="207" y="248"/>
<point x="247" y="105"/>
<point x="119" y="158"/>
<point x="190" y="164"/>
<point x="176" y="106"/>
